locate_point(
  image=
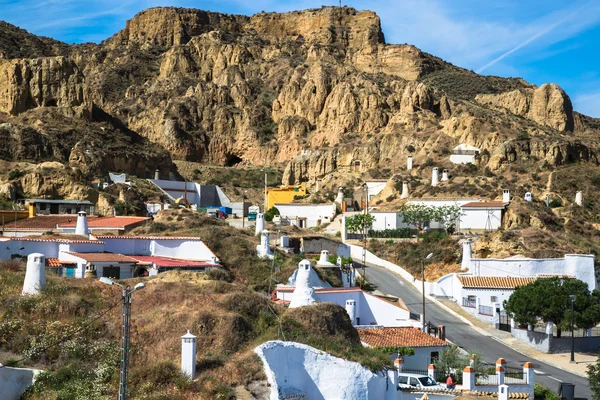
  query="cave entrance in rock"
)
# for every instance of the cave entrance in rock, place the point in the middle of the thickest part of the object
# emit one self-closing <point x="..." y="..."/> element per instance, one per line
<point x="233" y="160"/>
<point x="356" y="166"/>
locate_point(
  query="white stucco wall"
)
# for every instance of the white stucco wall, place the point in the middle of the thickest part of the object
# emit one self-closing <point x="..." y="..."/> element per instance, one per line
<point x="477" y="219"/>
<point x="422" y="357"/>
<point x="312" y="212"/>
<point x="313" y="280"/>
<point x="581" y="266"/>
<point x="187" y="249"/>
<point x="484" y="295"/>
<point x="320" y="375"/>
<point x="387" y="220"/>
<point x="462" y="159"/>
<point x="375" y="187"/>
<point x="48" y="249"/>
<point x="14" y="381"/>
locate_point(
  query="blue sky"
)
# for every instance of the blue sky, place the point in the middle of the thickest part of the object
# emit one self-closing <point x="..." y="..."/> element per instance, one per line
<point x="538" y="40"/>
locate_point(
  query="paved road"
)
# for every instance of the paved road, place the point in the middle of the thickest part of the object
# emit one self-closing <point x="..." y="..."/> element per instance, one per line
<point x="468" y="338"/>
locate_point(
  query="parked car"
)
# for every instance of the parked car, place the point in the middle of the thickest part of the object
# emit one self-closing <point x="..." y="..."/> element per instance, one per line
<point x="417" y="381"/>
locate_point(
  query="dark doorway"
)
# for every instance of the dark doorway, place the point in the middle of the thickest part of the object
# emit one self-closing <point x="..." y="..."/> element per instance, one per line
<point x="233" y="160"/>
<point x="111" y="272"/>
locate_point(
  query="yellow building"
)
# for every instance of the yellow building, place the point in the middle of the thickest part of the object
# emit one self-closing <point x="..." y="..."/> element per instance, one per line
<point x="284" y="194"/>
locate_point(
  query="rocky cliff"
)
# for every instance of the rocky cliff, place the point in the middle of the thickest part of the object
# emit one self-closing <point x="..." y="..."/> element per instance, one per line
<point x="312" y="91"/>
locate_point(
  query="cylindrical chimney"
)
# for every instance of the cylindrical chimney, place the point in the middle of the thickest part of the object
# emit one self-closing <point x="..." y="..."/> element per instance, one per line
<point x="435" y="176"/>
<point x="81" y="228"/>
<point x="351" y="310"/>
<point x="260" y="223"/>
<point x="579" y="198"/>
<point x="444" y="175"/>
<point x="409" y="163"/>
<point x="35" y="274"/>
<point x="156" y="174"/>
<point x="467" y="254"/>
<point x="188" y="355"/>
<point x="405" y="190"/>
<point x="324" y="258"/>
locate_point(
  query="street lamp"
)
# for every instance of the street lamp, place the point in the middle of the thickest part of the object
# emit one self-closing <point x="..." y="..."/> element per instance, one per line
<point x="423" y="283"/>
<point x="572" y="297"/>
<point x="125" y="331"/>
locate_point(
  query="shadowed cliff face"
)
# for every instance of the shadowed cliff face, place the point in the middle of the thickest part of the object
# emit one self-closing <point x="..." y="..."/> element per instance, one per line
<point x="200" y="86"/>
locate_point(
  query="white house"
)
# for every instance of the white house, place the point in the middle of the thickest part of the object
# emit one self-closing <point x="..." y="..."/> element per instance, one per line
<point x="375" y="187"/>
<point x="464" y="154"/>
<point x="427" y="348"/>
<point x="370" y="309"/>
<point x="110" y="265"/>
<point x="307" y="215"/>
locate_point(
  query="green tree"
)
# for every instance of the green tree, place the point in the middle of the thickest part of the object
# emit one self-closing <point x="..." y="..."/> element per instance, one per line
<point x="593" y="373"/>
<point x="271" y="212"/>
<point x="451" y="362"/>
<point x="359" y="222"/>
<point x="420" y="214"/>
<point x="547" y="299"/>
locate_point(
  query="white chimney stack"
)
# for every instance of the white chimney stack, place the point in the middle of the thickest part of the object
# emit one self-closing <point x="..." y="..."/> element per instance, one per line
<point x="304" y="294"/>
<point x="579" y="198"/>
<point x="263" y="250"/>
<point x="340" y="195"/>
<point x="405" y="190"/>
<point x="338" y="262"/>
<point x="35" y="275"/>
<point x="435" y="176"/>
<point x="82" y="225"/>
<point x="409" y="163"/>
<point x="444" y="175"/>
<point x="260" y="224"/>
<point x="156" y="174"/>
<point x="351" y="310"/>
<point x="188" y="355"/>
<point x="466" y="255"/>
<point x="506" y="196"/>
<point x="324" y="257"/>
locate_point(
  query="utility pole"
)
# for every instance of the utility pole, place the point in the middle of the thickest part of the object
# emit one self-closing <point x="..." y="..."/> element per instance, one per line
<point x="365" y="232"/>
<point x="266" y="195"/>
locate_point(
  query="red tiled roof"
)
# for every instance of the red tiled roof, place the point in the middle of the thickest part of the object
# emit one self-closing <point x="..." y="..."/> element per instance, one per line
<point x="109" y="222"/>
<point x="148" y="237"/>
<point x="484" y="204"/>
<point x="495" y="282"/>
<point x="53" y="262"/>
<point x="55" y="240"/>
<point x="44" y="222"/>
<point x="171" y="262"/>
<point x="400" y="336"/>
<point x="103" y="257"/>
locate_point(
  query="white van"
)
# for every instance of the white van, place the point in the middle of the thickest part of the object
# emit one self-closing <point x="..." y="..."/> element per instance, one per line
<point x="417" y="381"/>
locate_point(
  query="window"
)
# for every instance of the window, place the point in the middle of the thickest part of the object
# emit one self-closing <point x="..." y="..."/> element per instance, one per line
<point x="414" y="382"/>
<point x="472" y="298"/>
<point x="434" y="356"/>
<point x="43" y="206"/>
<point x="403" y="380"/>
<point x="494" y="299"/>
<point x="111" y="272"/>
<point x="357" y="321"/>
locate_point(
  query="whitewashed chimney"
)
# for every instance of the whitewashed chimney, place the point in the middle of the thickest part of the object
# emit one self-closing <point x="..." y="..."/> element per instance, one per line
<point x="503" y="392"/>
<point x="338" y="262"/>
<point x="260" y="224"/>
<point x="263" y="250"/>
<point x="351" y="310"/>
<point x="435" y="176"/>
<point x="579" y="198"/>
<point x="506" y="196"/>
<point x="82" y="225"/>
<point x="304" y="294"/>
<point x="467" y="254"/>
<point x="188" y="355"/>
<point x="409" y="163"/>
<point x="35" y="275"/>
<point x="405" y="190"/>
<point x="444" y="175"/>
<point x="156" y="174"/>
<point x="340" y="195"/>
<point x="324" y="258"/>
<point x="528" y="197"/>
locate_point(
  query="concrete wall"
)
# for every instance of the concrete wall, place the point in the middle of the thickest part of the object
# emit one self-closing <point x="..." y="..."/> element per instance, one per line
<point x="581" y="266"/>
<point x="385" y="313"/>
<point x="387" y="220"/>
<point x="462" y="159"/>
<point x="14" y="381"/>
<point x="375" y="187"/>
<point x="422" y="357"/>
<point x="295" y="365"/>
<point x="314" y="245"/>
<point x="187" y="249"/>
<point x="485" y="295"/>
<point x="549" y="344"/>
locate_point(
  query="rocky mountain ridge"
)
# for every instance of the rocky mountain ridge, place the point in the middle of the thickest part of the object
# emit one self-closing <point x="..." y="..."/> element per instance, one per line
<point x="311" y="91"/>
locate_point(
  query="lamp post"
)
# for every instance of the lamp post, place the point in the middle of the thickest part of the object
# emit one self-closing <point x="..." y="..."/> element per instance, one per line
<point x="125" y="332"/>
<point x="423" y="284"/>
<point x="572" y="297"/>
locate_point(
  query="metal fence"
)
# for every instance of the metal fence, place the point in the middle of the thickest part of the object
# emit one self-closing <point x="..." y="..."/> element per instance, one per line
<point x="468" y="303"/>
<point x="415" y="371"/>
<point x="486" y="310"/>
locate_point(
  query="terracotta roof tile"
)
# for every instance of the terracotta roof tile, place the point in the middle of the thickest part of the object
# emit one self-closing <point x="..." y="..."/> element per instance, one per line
<point x="399" y="336"/>
<point x="53" y="262"/>
<point x="44" y="222"/>
<point x="55" y="240"/>
<point x="495" y="282"/>
<point x="484" y="204"/>
<point x="166" y="262"/>
<point x="103" y="257"/>
<point x="109" y="222"/>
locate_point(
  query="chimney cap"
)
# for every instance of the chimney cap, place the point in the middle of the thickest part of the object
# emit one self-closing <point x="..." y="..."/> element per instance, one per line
<point x="188" y="335"/>
<point x="81" y="213"/>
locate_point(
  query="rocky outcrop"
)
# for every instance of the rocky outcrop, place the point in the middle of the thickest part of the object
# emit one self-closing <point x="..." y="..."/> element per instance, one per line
<point x="40" y="82"/>
<point x="547" y="105"/>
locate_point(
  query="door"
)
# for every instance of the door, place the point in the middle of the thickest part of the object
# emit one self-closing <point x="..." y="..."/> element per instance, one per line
<point x="70" y="272"/>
